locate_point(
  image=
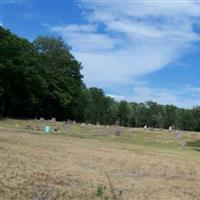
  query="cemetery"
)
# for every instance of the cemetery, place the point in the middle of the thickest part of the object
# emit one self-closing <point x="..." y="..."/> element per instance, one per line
<point x="48" y="159"/>
<point x="99" y="100"/>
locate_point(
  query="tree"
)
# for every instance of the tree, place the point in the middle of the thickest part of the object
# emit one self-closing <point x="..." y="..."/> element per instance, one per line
<point x="185" y="119"/>
<point x="123" y="113"/>
<point x="43" y="79"/>
<point x="20" y="76"/>
<point x="196" y="118"/>
<point x="169" y="116"/>
<point x="96" y="106"/>
<point x="155" y="113"/>
<point x="63" y="78"/>
<point x="38" y="79"/>
<point x="111" y="111"/>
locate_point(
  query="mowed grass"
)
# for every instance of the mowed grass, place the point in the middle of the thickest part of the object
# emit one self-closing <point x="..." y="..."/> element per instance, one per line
<point x="93" y="163"/>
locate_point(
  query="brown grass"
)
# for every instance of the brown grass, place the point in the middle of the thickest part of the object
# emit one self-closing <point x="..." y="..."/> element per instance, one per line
<point x="136" y="165"/>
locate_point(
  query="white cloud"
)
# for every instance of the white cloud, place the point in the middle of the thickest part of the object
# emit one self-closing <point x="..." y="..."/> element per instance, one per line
<point x="75" y="29"/>
<point x="122" y="9"/>
<point x="123" y="40"/>
<point x="117" y="97"/>
<point x="177" y="96"/>
<point x="121" y="66"/>
<point x="85" y="38"/>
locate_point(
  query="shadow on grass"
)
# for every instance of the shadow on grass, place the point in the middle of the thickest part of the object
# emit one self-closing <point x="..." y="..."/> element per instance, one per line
<point x="194" y="144"/>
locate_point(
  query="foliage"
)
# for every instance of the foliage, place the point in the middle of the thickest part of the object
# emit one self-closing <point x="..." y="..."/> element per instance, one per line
<point x="101" y="192"/>
<point x="43" y="79"/>
<point x="39" y="79"/>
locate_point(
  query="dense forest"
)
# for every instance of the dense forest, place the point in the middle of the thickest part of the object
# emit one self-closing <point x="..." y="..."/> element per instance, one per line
<point x="43" y="79"/>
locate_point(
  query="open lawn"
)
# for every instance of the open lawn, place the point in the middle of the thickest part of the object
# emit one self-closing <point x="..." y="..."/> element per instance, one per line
<point x="87" y="163"/>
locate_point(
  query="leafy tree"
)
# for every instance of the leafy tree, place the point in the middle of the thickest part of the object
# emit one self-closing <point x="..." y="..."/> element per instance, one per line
<point x="62" y="76"/>
<point x="96" y="108"/>
<point x="123" y="113"/>
<point x="20" y="76"/>
<point x="111" y="110"/>
<point x="44" y="79"/>
<point x="169" y="116"/>
<point x="185" y="119"/>
<point x="155" y="113"/>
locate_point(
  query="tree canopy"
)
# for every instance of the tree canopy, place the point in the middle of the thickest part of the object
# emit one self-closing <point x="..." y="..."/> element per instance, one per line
<point x="43" y="79"/>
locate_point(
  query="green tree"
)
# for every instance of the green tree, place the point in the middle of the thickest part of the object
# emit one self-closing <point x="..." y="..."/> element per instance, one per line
<point x="111" y="110"/>
<point x="185" y="119"/>
<point x="20" y="76"/>
<point x="169" y="116"/>
<point x="62" y="76"/>
<point x="123" y="113"/>
<point x="95" y="111"/>
<point x="44" y="79"/>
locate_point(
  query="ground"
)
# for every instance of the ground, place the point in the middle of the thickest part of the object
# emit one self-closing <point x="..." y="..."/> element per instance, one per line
<point x="89" y="162"/>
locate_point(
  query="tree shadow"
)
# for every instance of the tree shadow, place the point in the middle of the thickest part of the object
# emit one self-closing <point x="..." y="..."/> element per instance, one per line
<point x="194" y="144"/>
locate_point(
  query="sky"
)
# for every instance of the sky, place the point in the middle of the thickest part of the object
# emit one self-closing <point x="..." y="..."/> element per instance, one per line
<point x="133" y="49"/>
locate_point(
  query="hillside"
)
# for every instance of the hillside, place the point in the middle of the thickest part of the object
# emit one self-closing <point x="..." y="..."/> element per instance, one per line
<point x="90" y="162"/>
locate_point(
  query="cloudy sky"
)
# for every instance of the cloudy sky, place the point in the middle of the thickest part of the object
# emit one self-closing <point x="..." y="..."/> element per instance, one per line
<point x="133" y="49"/>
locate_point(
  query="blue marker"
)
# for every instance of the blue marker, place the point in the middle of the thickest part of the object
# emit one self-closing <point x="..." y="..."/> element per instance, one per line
<point x="46" y="129"/>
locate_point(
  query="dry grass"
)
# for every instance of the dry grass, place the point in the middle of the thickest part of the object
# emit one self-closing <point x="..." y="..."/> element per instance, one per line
<point x="72" y="164"/>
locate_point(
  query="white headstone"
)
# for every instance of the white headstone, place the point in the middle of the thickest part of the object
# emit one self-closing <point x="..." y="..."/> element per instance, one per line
<point x="178" y="135"/>
<point x="53" y="119"/>
<point x="83" y="125"/>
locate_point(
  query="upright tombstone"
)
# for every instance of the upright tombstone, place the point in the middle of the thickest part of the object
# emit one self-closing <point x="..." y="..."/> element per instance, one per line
<point x="65" y="124"/>
<point x="69" y="121"/>
<point x="170" y="129"/>
<point x="98" y="124"/>
<point x="178" y="135"/>
<point x="117" y="129"/>
<point x="145" y="127"/>
<point x="46" y="129"/>
<point x="53" y="119"/>
<point x="117" y="123"/>
<point x="83" y="125"/>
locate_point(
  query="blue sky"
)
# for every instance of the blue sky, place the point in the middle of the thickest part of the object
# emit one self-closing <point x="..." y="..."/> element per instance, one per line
<point x="134" y="50"/>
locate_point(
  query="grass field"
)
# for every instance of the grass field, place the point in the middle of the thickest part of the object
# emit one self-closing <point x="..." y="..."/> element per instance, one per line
<point x="86" y="163"/>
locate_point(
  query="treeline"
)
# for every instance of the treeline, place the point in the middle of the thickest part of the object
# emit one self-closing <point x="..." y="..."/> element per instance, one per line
<point x="43" y="79"/>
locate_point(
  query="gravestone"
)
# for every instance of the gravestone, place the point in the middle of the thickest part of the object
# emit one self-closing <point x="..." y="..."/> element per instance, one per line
<point x="83" y="125"/>
<point x="53" y="119"/>
<point x="98" y="124"/>
<point x="46" y="129"/>
<point x="178" y="135"/>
